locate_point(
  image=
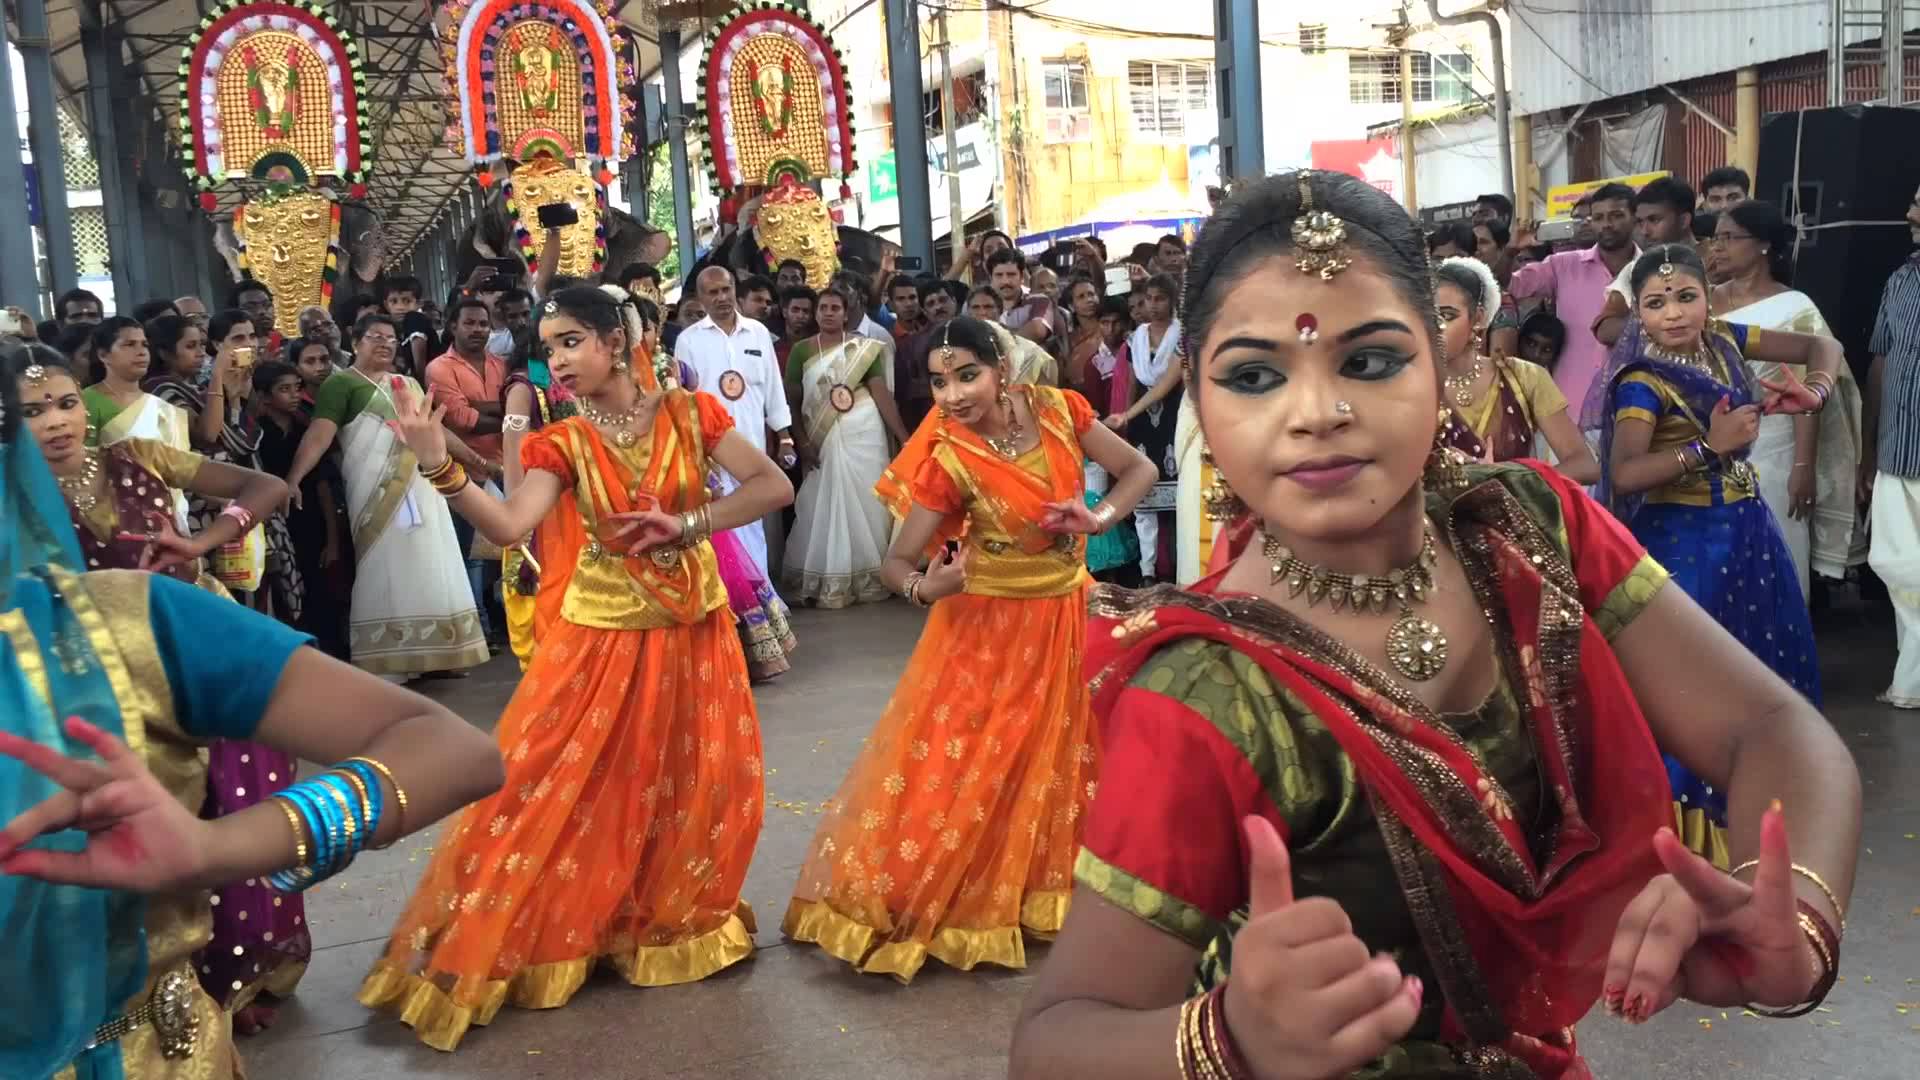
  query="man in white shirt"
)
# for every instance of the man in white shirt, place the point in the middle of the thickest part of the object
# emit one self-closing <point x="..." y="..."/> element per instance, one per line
<point x="732" y="358"/>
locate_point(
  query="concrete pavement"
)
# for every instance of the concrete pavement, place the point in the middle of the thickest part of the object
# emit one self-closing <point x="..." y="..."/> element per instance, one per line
<point x="792" y="1014"/>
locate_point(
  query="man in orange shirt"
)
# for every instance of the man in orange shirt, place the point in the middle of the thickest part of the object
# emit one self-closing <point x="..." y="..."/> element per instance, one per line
<point x="469" y="380"/>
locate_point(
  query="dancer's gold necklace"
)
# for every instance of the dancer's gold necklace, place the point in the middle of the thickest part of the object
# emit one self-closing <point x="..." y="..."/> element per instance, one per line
<point x="1416" y="647"/>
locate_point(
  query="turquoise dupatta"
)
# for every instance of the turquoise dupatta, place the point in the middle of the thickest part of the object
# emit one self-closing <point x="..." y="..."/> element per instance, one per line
<point x="72" y="957"/>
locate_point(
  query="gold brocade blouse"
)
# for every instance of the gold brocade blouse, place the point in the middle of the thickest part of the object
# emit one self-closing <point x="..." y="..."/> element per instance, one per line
<point x="606" y="590"/>
<point x="1000" y="566"/>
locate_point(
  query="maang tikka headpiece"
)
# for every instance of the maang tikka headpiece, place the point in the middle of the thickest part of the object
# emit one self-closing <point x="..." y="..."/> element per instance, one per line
<point x="1320" y="237"/>
<point x="1666" y="264"/>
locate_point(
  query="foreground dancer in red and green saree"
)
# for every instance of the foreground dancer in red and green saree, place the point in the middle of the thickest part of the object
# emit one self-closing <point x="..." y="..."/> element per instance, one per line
<point x="954" y="834"/>
<point x="1390" y="778"/>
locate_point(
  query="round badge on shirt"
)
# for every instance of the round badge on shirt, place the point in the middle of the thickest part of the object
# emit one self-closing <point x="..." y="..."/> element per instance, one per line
<point x="733" y="385"/>
<point x="840" y="397"/>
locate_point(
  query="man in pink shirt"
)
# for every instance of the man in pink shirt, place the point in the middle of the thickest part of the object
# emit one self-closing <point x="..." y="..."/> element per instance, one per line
<point x="467" y="379"/>
<point x="1576" y="282"/>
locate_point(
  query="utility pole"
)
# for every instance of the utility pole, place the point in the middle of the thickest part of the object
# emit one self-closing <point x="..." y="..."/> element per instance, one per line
<point x="1236" y="58"/>
<point x="956" y="216"/>
<point x="909" y="130"/>
<point x="677" y="148"/>
<point x="1402" y="34"/>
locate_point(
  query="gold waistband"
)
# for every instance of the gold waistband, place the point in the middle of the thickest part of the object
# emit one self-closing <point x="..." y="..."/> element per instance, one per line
<point x="169" y="1009"/>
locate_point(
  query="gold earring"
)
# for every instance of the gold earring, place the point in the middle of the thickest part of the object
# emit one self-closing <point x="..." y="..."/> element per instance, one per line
<point x="1446" y="467"/>
<point x="1220" y="501"/>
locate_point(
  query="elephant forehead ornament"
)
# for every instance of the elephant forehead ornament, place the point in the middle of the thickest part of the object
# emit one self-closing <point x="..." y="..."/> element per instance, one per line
<point x="795" y="224"/>
<point x="271" y="115"/>
<point x="773" y="101"/>
<point x="536" y="93"/>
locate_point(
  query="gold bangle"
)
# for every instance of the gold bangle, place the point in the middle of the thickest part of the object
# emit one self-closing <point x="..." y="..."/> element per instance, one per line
<point x="1805" y="872"/>
<point x="1825" y="890"/>
<point x="366" y="799"/>
<point x="1104" y="515"/>
<point x="399" y="799"/>
<point x="352" y="827"/>
<point x="449" y="484"/>
<point x="440" y="470"/>
<point x="299" y="830"/>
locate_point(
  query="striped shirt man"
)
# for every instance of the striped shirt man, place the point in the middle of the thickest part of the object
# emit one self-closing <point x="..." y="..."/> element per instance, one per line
<point x="1896" y="336"/>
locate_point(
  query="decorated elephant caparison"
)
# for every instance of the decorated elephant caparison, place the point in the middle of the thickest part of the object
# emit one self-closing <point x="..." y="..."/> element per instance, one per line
<point x="362" y="238"/>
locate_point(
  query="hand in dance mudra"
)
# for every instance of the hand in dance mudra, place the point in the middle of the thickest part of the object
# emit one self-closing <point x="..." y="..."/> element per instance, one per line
<point x="417" y="421"/>
<point x="1700" y="933"/>
<point x="1787" y="394"/>
<point x="1307" y="1000"/>
<point x="1070" y="516"/>
<point x="139" y="837"/>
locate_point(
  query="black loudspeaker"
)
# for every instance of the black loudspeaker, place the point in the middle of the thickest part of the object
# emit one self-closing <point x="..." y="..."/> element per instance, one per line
<point x="1850" y="178"/>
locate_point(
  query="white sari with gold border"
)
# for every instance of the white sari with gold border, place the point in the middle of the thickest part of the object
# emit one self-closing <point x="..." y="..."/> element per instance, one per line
<point x="840" y="528"/>
<point x="412" y="605"/>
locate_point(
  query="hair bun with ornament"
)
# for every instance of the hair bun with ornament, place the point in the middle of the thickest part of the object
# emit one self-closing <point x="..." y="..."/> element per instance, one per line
<point x="1473" y="276"/>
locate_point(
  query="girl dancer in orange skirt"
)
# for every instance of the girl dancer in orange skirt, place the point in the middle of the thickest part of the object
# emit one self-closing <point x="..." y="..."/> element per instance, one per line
<point x="633" y="794"/>
<point x="958" y="827"/>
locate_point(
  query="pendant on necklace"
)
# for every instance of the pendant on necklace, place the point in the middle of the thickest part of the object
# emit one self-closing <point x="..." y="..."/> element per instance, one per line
<point x="1416" y="647"/>
<point x="625" y="440"/>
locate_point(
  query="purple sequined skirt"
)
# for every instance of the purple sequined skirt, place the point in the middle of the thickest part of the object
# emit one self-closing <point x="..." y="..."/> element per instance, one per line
<point x="260" y="940"/>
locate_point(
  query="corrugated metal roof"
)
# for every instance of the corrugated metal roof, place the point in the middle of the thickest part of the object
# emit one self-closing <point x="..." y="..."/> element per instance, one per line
<point x="1567" y="52"/>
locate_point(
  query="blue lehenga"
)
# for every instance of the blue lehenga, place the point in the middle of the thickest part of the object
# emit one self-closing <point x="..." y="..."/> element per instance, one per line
<point x="1711" y="530"/>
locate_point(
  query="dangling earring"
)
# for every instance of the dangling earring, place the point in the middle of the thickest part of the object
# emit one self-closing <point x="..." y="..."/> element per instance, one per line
<point x="621" y="366"/>
<point x="1446" y="466"/>
<point x="1220" y="501"/>
<point x="942" y="410"/>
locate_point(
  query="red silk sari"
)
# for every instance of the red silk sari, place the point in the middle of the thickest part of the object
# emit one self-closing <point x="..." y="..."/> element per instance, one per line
<point x="1515" y="915"/>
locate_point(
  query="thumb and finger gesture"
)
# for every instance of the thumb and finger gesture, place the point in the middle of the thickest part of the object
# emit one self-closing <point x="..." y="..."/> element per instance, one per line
<point x="139" y="836"/>
<point x="1701" y="933"/>
<point x="1307" y="998"/>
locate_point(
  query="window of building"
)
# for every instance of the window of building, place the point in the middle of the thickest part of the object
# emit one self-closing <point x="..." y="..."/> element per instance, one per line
<point x="1373" y="78"/>
<point x="1452" y="78"/>
<point x="1066" y="104"/>
<point x="1163" y="93"/>
<point x="1313" y="38"/>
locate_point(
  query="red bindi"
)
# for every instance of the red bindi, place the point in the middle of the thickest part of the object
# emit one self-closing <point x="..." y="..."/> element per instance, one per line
<point x="1308" y="326"/>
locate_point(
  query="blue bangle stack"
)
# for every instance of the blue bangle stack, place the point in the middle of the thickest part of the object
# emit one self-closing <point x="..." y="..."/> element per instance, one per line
<point x="341" y="810"/>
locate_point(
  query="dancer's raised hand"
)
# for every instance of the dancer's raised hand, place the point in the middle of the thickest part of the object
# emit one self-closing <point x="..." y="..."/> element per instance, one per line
<point x="1307" y="1000"/>
<point x="418" y="422"/>
<point x="139" y="837"/>
<point x="1702" y="934"/>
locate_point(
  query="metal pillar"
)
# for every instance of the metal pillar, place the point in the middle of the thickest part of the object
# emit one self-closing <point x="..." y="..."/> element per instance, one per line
<point x="1236" y="58"/>
<point x="44" y="131"/>
<point x="677" y="148"/>
<point x="125" y="243"/>
<point x="19" y="276"/>
<point x="910" y="132"/>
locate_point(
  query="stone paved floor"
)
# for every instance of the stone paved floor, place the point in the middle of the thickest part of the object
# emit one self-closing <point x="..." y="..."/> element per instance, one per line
<point x="791" y="1014"/>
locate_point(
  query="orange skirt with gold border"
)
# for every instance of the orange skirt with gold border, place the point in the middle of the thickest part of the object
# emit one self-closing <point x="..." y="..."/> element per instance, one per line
<point x="955" y="833"/>
<point x="631" y="808"/>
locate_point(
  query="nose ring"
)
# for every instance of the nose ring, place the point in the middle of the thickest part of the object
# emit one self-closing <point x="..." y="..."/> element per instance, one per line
<point x="1343" y="408"/>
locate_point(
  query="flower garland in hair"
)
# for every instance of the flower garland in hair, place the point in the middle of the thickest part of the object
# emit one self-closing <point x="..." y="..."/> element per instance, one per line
<point x="1489" y="298"/>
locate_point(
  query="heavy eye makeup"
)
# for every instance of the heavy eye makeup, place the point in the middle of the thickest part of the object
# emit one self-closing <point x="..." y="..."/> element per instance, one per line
<point x="963" y="373"/>
<point x="1261" y="370"/>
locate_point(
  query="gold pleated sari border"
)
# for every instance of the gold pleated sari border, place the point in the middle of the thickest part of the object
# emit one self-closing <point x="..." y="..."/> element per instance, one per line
<point x="441" y="1018"/>
<point x="815" y="922"/>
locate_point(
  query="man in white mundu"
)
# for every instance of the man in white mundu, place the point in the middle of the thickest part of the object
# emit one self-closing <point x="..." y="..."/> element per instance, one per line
<point x="732" y="358"/>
